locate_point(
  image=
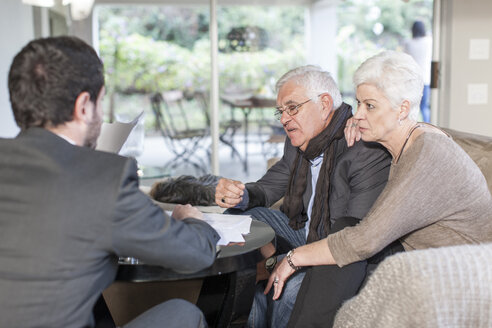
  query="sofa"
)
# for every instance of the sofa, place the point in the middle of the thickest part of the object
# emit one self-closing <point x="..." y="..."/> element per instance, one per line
<point x="440" y="287"/>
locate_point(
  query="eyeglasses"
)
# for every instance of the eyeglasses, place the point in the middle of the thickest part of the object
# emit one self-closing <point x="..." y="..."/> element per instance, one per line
<point x="291" y="109"/>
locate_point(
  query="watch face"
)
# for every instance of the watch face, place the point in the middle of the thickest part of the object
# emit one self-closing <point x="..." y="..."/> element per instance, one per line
<point x="270" y="263"/>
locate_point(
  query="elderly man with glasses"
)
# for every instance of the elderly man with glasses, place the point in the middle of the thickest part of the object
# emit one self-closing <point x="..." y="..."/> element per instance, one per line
<point x="326" y="186"/>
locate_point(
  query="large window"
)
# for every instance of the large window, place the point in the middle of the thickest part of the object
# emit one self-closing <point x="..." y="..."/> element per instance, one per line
<point x="158" y="49"/>
<point x="150" y="49"/>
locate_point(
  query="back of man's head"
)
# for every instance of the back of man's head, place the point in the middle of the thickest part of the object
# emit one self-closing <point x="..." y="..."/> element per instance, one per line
<point x="47" y="76"/>
<point x="418" y="29"/>
<point x="315" y="80"/>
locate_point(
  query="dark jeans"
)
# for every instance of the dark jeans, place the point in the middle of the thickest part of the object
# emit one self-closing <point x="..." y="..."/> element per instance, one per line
<point x="265" y="312"/>
<point x="326" y="287"/>
<point x="425" y="104"/>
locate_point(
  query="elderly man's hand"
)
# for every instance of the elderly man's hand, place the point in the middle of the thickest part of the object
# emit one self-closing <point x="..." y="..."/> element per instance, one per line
<point x="229" y="193"/>
<point x="352" y="132"/>
<point x="181" y="212"/>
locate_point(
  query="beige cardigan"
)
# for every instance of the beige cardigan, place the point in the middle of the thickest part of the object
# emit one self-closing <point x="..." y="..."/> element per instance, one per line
<point x="435" y="196"/>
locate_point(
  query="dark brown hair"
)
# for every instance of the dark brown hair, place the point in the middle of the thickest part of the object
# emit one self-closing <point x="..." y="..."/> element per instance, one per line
<point x="47" y="76"/>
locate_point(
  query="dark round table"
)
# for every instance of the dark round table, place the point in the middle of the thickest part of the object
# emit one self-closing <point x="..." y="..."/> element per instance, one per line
<point x="229" y="259"/>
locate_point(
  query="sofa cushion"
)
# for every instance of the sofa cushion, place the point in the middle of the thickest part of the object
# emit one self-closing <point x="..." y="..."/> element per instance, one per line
<point x="479" y="148"/>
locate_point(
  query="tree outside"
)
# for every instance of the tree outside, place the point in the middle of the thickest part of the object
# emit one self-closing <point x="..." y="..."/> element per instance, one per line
<point x="149" y="49"/>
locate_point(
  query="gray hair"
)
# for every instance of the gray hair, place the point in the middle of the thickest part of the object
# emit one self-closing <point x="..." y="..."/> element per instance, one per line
<point x="396" y="75"/>
<point x="315" y="80"/>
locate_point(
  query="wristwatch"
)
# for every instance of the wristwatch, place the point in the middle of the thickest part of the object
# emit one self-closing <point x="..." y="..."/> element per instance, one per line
<point x="270" y="263"/>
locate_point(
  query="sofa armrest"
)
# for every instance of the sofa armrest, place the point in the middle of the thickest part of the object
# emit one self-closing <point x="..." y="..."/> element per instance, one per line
<point x="440" y="287"/>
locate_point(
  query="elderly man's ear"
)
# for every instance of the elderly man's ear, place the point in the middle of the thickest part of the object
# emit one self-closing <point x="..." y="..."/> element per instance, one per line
<point x="327" y="103"/>
<point x="83" y="109"/>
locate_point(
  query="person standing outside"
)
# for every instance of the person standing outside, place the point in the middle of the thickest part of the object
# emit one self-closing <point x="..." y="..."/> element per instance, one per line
<point x="420" y="48"/>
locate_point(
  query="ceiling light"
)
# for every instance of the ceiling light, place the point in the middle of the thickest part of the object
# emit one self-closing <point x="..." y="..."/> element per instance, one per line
<point x="40" y="3"/>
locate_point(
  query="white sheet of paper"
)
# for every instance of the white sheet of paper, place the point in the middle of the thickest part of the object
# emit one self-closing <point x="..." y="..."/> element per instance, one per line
<point x="113" y="135"/>
<point x="230" y="228"/>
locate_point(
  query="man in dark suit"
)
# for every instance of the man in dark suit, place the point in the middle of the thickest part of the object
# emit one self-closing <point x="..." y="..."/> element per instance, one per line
<point x="68" y="211"/>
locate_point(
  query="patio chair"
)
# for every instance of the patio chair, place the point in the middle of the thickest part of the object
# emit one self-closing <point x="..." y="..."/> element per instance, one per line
<point x="183" y="130"/>
<point x="273" y="145"/>
<point x="228" y="127"/>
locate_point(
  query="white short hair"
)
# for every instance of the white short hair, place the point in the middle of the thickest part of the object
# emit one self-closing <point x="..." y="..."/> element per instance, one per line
<point x="397" y="75"/>
<point x="315" y="80"/>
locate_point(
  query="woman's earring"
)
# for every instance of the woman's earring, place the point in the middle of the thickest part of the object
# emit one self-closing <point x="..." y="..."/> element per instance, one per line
<point x="399" y="121"/>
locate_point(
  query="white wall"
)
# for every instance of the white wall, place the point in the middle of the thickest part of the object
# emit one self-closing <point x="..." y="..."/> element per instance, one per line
<point x="464" y="21"/>
<point x="82" y="29"/>
<point x="16" y="29"/>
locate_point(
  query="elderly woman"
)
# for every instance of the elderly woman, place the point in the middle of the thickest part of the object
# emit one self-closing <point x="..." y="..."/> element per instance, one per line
<point x="435" y="196"/>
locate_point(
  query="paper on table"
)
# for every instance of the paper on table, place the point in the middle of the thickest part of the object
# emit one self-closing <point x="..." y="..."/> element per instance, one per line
<point x="114" y="135"/>
<point x="230" y="228"/>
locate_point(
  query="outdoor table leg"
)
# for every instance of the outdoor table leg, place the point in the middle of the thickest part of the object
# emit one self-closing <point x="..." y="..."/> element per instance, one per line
<point x="246" y="112"/>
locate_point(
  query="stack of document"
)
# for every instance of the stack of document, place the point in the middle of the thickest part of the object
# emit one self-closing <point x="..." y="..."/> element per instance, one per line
<point x="230" y="228"/>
